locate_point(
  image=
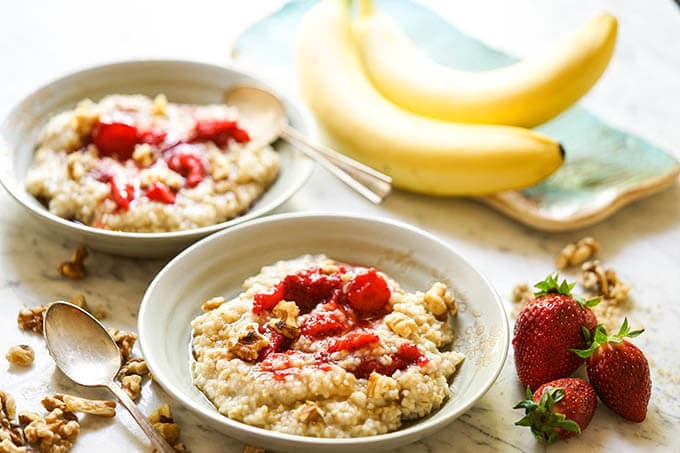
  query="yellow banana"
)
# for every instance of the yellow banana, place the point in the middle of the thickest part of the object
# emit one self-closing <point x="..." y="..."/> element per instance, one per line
<point x="420" y="154"/>
<point x="526" y="93"/>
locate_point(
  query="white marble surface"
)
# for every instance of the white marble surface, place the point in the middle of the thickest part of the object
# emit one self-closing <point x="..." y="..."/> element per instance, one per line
<point x="641" y="91"/>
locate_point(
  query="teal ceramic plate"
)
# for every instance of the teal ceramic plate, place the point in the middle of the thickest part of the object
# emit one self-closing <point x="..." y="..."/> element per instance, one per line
<point x="605" y="168"/>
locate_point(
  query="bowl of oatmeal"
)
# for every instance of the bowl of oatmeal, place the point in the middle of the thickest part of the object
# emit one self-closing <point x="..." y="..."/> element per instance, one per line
<point x="142" y="158"/>
<point x="323" y="331"/>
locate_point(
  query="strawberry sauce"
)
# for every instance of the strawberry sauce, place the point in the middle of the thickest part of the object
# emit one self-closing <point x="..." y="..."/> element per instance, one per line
<point x="336" y="318"/>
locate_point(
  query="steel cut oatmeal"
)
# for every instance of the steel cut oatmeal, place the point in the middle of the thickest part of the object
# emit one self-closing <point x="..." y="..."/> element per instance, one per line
<point x="132" y="163"/>
<point x="319" y="348"/>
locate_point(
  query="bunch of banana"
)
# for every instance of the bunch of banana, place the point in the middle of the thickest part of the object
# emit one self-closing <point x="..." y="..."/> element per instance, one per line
<point x="429" y="155"/>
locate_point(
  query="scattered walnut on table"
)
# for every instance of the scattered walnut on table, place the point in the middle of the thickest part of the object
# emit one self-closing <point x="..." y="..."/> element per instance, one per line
<point x="614" y="292"/>
<point x="521" y="294"/>
<point x="131" y="375"/>
<point x="162" y="420"/>
<point x="103" y="408"/>
<point x="125" y="341"/>
<point x="53" y="434"/>
<point x="11" y="435"/>
<point x="132" y="384"/>
<point x="20" y="355"/>
<point x="31" y="318"/>
<point x="75" y="268"/>
<point x="285" y="321"/>
<point x="577" y="252"/>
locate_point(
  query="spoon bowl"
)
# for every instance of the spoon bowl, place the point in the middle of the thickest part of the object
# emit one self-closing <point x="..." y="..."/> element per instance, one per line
<point x="80" y="345"/>
<point x="263" y="114"/>
<point x="85" y="352"/>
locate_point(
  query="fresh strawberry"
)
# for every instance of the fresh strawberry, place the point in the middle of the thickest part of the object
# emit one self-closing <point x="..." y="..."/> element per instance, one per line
<point x="547" y="328"/>
<point x="558" y="409"/>
<point x="619" y="372"/>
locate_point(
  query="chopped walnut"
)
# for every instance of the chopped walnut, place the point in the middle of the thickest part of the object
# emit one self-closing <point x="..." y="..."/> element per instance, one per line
<point x="285" y="321"/>
<point x="135" y="366"/>
<point x="54" y="433"/>
<point x="143" y="155"/>
<point x="401" y="324"/>
<point x="21" y="355"/>
<point x="125" y="341"/>
<point x="11" y="436"/>
<point x="132" y="384"/>
<point x="521" y="294"/>
<point x="104" y="408"/>
<point x="213" y="303"/>
<point x="162" y="420"/>
<point x="31" y="318"/>
<point x="160" y="104"/>
<point x="80" y="301"/>
<point x="577" y="252"/>
<point x="74" y="167"/>
<point x="605" y="282"/>
<point x="248" y="344"/>
<point x="439" y="300"/>
<point x="75" y="268"/>
<point x="252" y="449"/>
<point x="310" y="412"/>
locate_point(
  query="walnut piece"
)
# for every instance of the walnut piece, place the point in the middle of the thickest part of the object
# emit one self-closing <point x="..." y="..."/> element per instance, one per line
<point x="577" y="252"/>
<point x="11" y="436"/>
<point x="125" y="341"/>
<point x="213" y="303"/>
<point x="143" y="155"/>
<point x="521" y="294"/>
<point x="604" y="282"/>
<point x="31" y="318"/>
<point x="382" y="387"/>
<point x="162" y="420"/>
<point x="310" y="412"/>
<point x="439" y="300"/>
<point x="248" y="344"/>
<point x="21" y="355"/>
<point x="132" y="385"/>
<point x="75" y="268"/>
<point x="160" y="104"/>
<point x="54" y="433"/>
<point x="285" y="321"/>
<point x="104" y="408"/>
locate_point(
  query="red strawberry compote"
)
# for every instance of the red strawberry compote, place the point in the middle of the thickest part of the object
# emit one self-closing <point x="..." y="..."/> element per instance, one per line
<point x="132" y="163"/>
<point x="320" y="348"/>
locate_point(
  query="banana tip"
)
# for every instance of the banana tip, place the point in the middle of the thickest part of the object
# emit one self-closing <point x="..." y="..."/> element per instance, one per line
<point x="562" y="152"/>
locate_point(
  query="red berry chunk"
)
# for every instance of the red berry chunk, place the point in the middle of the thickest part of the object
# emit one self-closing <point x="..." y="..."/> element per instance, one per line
<point x="115" y="139"/>
<point x="368" y="292"/>
<point x="353" y="341"/>
<point x="322" y="324"/>
<point x="161" y="193"/>
<point x="408" y="355"/>
<point x="121" y="194"/>
<point x="219" y="132"/>
<point x="306" y="288"/>
<point x="277" y="343"/>
<point x="154" y="136"/>
<point x="185" y="160"/>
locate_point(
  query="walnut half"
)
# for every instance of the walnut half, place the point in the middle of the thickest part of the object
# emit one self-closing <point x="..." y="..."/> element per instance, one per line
<point x="248" y="344"/>
<point x="286" y="322"/>
<point x="21" y="355"/>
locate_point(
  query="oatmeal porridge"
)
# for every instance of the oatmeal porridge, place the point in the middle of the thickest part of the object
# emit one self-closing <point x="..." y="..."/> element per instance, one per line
<point x="315" y="347"/>
<point x="132" y="163"/>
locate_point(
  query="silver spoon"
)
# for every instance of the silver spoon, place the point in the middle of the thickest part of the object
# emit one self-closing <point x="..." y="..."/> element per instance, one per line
<point x="85" y="352"/>
<point x="264" y="116"/>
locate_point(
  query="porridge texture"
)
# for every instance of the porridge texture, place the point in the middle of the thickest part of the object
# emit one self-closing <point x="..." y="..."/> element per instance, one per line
<point x="319" y="348"/>
<point x="132" y="163"/>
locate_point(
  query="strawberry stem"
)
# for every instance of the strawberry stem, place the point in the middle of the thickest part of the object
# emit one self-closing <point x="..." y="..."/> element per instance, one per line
<point x="551" y="285"/>
<point x="600" y="337"/>
<point x="539" y="416"/>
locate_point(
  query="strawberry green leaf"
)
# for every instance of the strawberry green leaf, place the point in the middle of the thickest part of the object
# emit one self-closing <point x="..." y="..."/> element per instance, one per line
<point x="551" y="285"/>
<point x="541" y="418"/>
<point x="600" y="337"/>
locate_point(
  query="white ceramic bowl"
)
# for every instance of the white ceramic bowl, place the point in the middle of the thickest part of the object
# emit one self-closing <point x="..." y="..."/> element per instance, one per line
<point x="218" y="265"/>
<point x="181" y="81"/>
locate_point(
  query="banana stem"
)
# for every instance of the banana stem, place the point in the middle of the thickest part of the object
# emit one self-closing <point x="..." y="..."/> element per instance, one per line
<point x="366" y="7"/>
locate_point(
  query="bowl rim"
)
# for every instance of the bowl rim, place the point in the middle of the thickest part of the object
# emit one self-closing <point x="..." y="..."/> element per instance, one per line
<point x="289" y="190"/>
<point x="217" y="418"/>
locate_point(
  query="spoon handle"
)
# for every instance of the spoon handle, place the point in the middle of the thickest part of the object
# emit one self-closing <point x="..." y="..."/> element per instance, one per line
<point x="368" y="182"/>
<point x="157" y="441"/>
